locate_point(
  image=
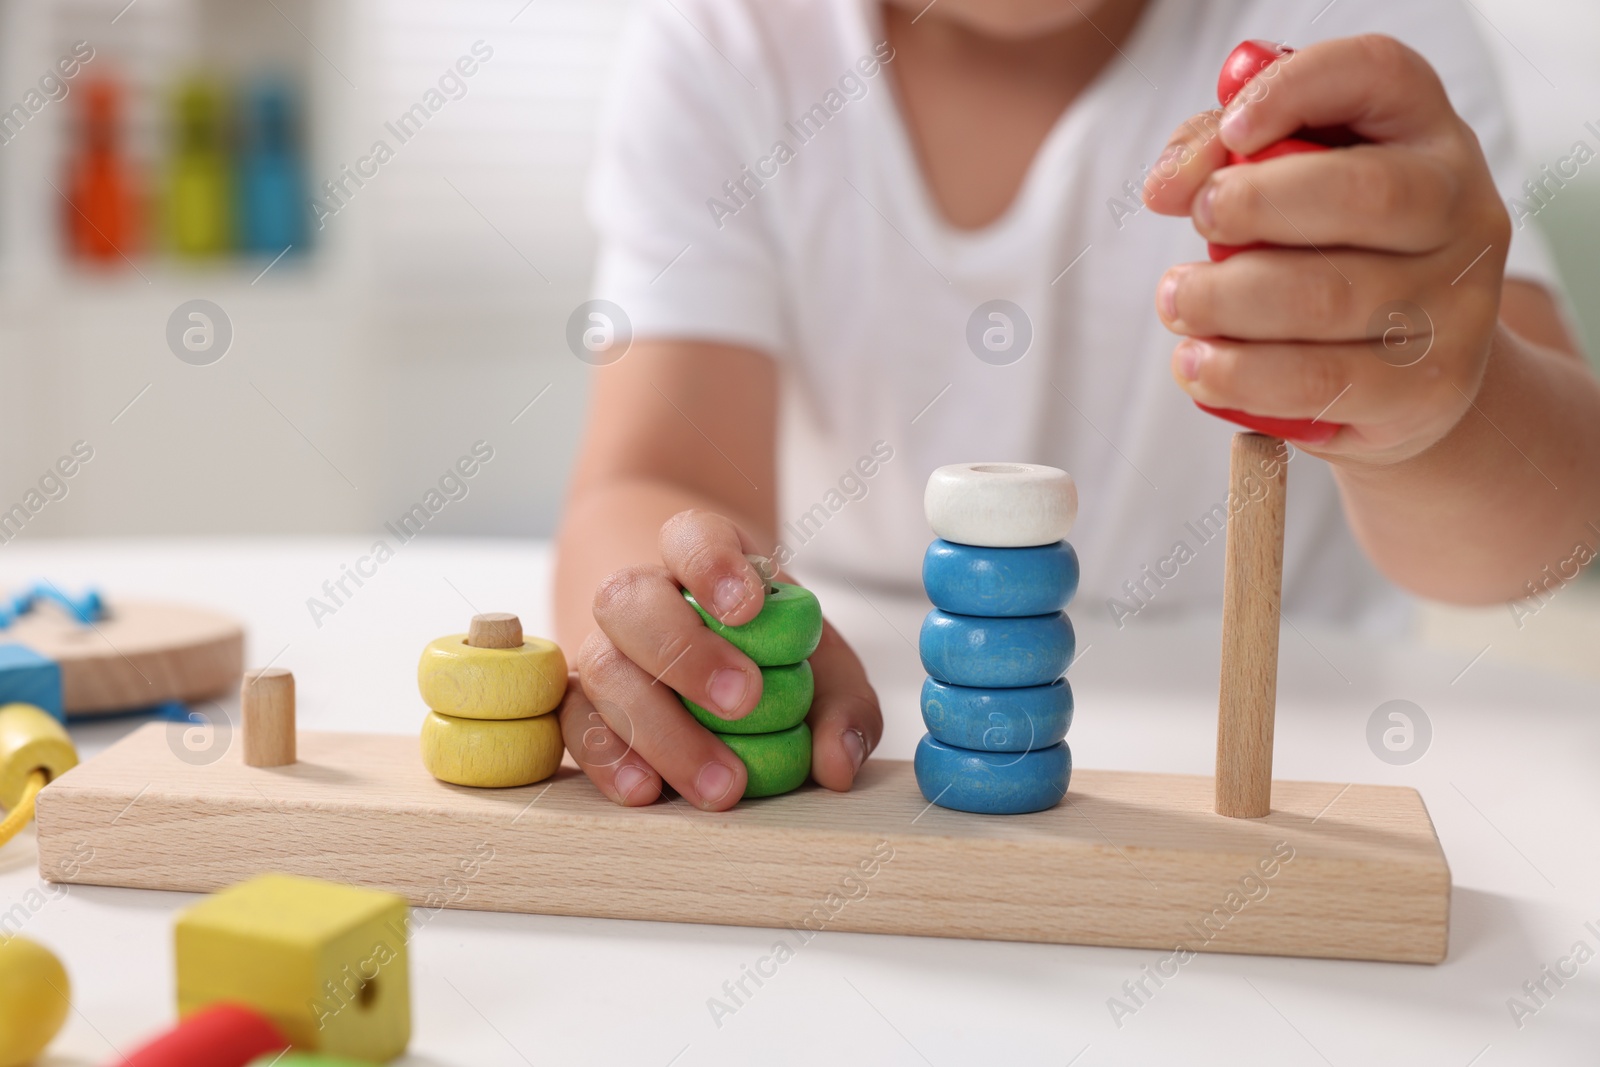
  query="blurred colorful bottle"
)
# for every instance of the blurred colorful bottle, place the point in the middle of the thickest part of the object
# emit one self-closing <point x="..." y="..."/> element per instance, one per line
<point x="101" y="217"/>
<point x="199" y="202"/>
<point x="272" y="213"/>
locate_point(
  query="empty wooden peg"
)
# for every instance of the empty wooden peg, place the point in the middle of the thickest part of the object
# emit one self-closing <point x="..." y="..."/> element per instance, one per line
<point x="497" y="629"/>
<point x="266" y="706"/>
<point x="1251" y="595"/>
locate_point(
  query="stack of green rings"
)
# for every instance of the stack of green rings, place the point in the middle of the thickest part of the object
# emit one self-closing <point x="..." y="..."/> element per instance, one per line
<point x="773" y="740"/>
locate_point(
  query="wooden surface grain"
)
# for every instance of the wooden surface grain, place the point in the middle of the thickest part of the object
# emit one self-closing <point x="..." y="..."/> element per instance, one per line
<point x="1128" y="859"/>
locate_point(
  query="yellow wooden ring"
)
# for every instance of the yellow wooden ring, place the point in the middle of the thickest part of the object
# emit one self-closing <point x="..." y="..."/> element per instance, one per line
<point x="466" y="682"/>
<point x="31" y="739"/>
<point x="491" y="754"/>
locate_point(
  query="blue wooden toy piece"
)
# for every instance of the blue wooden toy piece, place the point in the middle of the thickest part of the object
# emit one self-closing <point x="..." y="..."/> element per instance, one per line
<point x="271" y="191"/>
<point x="86" y="608"/>
<point x="992" y="783"/>
<point x="997" y="720"/>
<point x="10" y="608"/>
<point x="29" y="678"/>
<point x="968" y="580"/>
<point x="990" y="653"/>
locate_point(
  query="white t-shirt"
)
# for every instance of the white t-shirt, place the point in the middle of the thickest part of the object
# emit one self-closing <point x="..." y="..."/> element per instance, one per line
<point x="756" y="185"/>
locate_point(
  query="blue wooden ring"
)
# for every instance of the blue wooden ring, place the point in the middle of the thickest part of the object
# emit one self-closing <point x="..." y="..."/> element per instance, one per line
<point x="996" y="653"/>
<point x="997" y="720"/>
<point x="992" y="783"/>
<point x="968" y="580"/>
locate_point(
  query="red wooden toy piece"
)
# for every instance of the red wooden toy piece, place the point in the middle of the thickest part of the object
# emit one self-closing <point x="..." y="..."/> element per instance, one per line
<point x="101" y="216"/>
<point x="224" y="1035"/>
<point x="1242" y="64"/>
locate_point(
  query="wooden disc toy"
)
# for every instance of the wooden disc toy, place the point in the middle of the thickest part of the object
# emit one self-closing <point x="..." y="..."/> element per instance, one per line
<point x="772" y="741"/>
<point x="1000" y="505"/>
<point x="138" y="655"/>
<point x="491" y="693"/>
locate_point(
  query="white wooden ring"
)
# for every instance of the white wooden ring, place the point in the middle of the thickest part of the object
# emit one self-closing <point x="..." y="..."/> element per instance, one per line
<point x="1001" y="505"/>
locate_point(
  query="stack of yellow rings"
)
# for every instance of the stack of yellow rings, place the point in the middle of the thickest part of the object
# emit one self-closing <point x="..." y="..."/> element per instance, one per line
<point x="491" y="693"/>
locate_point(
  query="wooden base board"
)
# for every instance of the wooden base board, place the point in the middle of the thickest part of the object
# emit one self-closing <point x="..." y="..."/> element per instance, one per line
<point x="141" y="654"/>
<point x="1129" y="859"/>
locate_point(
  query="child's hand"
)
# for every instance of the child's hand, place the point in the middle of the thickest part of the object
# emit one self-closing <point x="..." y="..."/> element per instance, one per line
<point x="1379" y="311"/>
<point x="627" y="729"/>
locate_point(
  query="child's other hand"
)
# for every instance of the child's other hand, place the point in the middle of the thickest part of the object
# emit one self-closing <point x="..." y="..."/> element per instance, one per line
<point x="1379" y="311"/>
<point x="627" y="729"/>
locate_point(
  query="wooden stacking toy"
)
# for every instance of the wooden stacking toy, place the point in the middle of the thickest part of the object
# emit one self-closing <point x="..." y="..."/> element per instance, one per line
<point x="492" y="692"/>
<point x="773" y="741"/>
<point x="34" y="998"/>
<point x="997" y="643"/>
<point x="325" y="963"/>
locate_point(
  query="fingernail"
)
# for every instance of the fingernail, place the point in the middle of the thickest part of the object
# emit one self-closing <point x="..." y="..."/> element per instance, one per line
<point x="1205" y="206"/>
<point x="730" y="593"/>
<point x="855" y="743"/>
<point x="1167" y="295"/>
<point x="1190" y="353"/>
<point x="1235" y="123"/>
<point x="713" y="782"/>
<point x="629" y="778"/>
<point x="727" y="689"/>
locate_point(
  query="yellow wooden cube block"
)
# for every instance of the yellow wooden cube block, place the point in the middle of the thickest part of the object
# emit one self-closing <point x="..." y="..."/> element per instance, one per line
<point x="325" y="962"/>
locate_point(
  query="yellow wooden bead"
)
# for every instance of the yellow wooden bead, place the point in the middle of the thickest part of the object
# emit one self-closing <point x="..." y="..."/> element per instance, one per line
<point x="326" y="962"/>
<point x="491" y="754"/>
<point x="465" y="682"/>
<point x="31" y="739"/>
<point x="34" y="998"/>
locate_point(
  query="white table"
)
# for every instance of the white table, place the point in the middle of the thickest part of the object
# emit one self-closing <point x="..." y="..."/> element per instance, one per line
<point x="1509" y="779"/>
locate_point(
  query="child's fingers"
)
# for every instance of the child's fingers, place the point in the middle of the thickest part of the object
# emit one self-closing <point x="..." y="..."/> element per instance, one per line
<point x="604" y="755"/>
<point x="1373" y="85"/>
<point x="656" y="726"/>
<point x="1337" y="383"/>
<point x="1385" y="198"/>
<point x="1195" y="151"/>
<point x="643" y="613"/>
<point x="1275" y="294"/>
<point x="705" y="552"/>
<point x="845" y="720"/>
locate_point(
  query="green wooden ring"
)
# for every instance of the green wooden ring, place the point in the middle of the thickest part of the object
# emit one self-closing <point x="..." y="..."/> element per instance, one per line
<point x="786" y="631"/>
<point x="785" y="699"/>
<point x="778" y="763"/>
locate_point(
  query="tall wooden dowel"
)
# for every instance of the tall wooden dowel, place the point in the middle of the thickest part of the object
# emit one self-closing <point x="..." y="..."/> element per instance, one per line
<point x="1251" y="594"/>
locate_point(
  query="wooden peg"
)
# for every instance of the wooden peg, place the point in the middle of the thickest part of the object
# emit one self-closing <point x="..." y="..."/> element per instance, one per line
<point x="266" y="706"/>
<point x="497" y="629"/>
<point x="1251" y="595"/>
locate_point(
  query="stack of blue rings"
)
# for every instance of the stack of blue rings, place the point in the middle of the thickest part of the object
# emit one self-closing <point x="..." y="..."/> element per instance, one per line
<point x="996" y="703"/>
